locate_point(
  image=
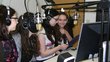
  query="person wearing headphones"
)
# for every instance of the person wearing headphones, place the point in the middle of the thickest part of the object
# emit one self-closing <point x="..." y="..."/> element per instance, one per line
<point x="8" y="22"/>
<point x="46" y="36"/>
<point x="26" y="28"/>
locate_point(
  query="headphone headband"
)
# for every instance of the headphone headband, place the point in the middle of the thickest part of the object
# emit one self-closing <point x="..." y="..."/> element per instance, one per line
<point x="8" y="22"/>
<point x="8" y="10"/>
<point x="25" y="22"/>
<point x="28" y="22"/>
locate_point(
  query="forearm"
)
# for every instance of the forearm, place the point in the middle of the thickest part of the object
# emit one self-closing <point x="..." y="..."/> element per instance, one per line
<point x="50" y="51"/>
<point x="68" y="36"/>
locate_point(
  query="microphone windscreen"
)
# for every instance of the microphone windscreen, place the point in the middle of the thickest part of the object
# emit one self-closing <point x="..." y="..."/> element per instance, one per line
<point x="39" y="26"/>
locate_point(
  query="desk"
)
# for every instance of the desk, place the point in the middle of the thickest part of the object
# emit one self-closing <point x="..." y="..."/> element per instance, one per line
<point x="54" y="59"/>
<point x="90" y="60"/>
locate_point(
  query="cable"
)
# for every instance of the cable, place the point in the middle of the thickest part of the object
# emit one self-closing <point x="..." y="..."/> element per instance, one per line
<point x="46" y="2"/>
<point x="25" y="5"/>
<point x="37" y="8"/>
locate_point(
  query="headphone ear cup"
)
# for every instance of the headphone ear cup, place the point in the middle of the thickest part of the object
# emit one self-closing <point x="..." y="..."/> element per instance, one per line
<point x="25" y="23"/>
<point x="49" y="18"/>
<point x="7" y="21"/>
<point x="32" y="26"/>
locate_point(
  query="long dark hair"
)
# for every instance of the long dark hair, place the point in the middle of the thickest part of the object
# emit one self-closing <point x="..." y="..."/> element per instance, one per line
<point x="58" y="34"/>
<point x="24" y="40"/>
<point x="27" y="51"/>
<point x="49" y="31"/>
<point x="3" y="14"/>
<point x="50" y="13"/>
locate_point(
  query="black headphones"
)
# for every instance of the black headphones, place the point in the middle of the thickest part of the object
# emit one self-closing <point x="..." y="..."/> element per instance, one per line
<point x="7" y="21"/>
<point x="25" y="22"/>
<point x="49" y="16"/>
<point x="29" y="23"/>
<point x="50" y="13"/>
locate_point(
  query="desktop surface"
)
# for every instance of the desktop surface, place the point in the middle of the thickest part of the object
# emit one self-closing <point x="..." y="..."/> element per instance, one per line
<point x="54" y="59"/>
<point x="72" y="52"/>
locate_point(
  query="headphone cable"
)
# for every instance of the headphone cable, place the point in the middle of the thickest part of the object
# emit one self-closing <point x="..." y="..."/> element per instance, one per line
<point x="25" y="5"/>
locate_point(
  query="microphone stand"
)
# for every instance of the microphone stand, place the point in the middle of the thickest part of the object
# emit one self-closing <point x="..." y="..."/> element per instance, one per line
<point x="108" y="34"/>
<point x="104" y="5"/>
<point x="101" y="41"/>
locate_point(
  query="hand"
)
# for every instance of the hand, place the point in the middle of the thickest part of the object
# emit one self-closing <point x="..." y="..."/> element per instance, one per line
<point x="58" y="52"/>
<point x="63" y="46"/>
<point x="62" y="30"/>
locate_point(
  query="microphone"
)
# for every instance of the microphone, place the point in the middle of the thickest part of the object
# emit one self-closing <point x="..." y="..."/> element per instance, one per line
<point x="38" y="21"/>
<point x="37" y="17"/>
<point x="75" y="17"/>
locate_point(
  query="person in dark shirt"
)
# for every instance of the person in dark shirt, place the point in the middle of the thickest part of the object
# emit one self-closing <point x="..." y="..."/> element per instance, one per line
<point x="8" y="22"/>
<point x="64" y="36"/>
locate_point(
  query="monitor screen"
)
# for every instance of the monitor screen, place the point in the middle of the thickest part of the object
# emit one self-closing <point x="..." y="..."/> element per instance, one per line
<point x="89" y="39"/>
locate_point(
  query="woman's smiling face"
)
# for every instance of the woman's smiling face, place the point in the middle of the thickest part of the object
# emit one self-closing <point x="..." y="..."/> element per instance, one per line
<point x="62" y="21"/>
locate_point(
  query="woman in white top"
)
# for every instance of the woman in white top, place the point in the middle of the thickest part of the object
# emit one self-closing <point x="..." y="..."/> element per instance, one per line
<point x="46" y="36"/>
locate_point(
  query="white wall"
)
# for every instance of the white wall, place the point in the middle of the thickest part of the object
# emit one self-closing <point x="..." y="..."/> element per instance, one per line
<point x="90" y="16"/>
<point x="1" y="1"/>
<point x="18" y="5"/>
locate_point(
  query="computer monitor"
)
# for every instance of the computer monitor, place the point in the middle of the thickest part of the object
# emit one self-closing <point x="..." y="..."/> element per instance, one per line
<point x="89" y="39"/>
